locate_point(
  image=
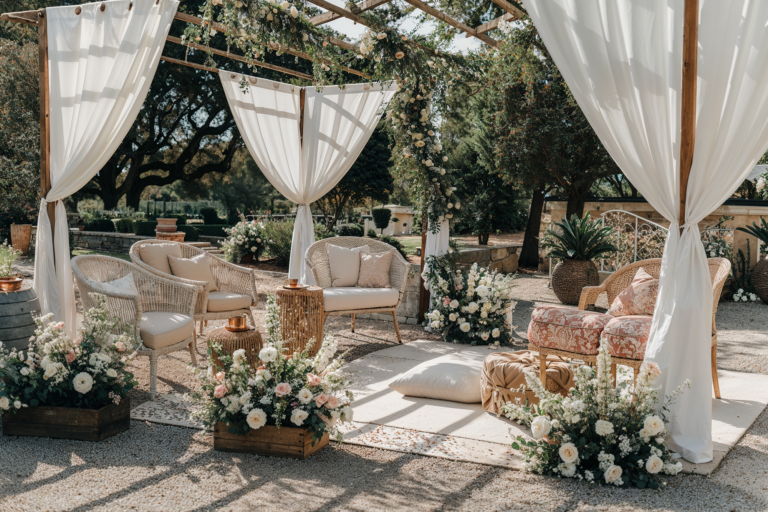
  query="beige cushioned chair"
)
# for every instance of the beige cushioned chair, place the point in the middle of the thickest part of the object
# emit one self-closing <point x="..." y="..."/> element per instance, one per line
<point x="353" y="300"/>
<point x="160" y="315"/>
<point x="235" y="286"/>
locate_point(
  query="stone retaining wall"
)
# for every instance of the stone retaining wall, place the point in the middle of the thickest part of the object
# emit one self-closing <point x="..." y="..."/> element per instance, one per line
<point x="115" y="243"/>
<point x="502" y="258"/>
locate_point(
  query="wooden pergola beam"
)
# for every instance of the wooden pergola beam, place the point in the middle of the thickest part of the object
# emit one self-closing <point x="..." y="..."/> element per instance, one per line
<point x="340" y="11"/>
<point x="25" y="17"/>
<point x="190" y="64"/>
<point x="494" y="24"/>
<point x="239" y="58"/>
<point x="367" y="5"/>
<point x="511" y="9"/>
<point x="452" y="22"/>
<point x="688" y="98"/>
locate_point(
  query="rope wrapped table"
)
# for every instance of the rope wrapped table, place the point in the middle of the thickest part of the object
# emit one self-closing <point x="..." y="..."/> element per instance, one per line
<point x="249" y="340"/>
<point x="301" y="317"/>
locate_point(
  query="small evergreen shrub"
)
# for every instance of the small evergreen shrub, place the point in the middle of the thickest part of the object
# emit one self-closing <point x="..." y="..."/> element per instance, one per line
<point x="102" y="225"/>
<point x="145" y="228"/>
<point x="191" y="233"/>
<point x="124" y="225"/>
<point x="210" y="216"/>
<point x="350" y="230"/>
<point x="212" y="229"/>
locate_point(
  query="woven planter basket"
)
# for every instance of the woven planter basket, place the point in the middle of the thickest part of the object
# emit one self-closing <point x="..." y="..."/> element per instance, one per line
<point x="760" y="279"/>
<point x="570" y="277"/>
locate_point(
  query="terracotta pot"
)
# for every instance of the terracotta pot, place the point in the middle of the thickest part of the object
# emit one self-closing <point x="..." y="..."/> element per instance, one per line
<point x="570" y="277"/>
<point x="760" y="279"/>
<point x="21" y="235"/>
<point x="166" y="226"/>
<point x="247" y="259"/>
<point x="10" y="284"/>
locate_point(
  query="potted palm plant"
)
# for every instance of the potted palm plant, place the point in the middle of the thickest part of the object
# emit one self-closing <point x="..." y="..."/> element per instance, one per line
<point x="760" y="271"/>
<point x="576" y="242"/>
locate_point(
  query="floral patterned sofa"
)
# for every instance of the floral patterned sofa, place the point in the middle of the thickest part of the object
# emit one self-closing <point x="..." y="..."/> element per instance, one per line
<point x="577" y="333"/>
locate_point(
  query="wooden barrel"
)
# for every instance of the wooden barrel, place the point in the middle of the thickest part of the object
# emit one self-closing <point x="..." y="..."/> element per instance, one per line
<point x="21" y="235"/>
<point x="16" y="317"/>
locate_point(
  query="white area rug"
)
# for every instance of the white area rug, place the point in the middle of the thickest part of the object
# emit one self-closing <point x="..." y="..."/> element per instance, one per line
<point x="169" y="409"/>
<point x="473" y="435"/>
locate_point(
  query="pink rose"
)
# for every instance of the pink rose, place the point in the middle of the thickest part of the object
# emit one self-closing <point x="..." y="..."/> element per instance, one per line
<point x="120" y="346"/>
<point x="59" y="325"/>
<point x="220" y="391"/>
<point x="446" y="301"/>
<point x="77" y="342"/>
<point x="321" y="399"/>
<point x="333" y="402"/>
<point x="313" y="380"/>
<point x="282" y="389"/>
<point x="70" y="356"/>
<point x="220" y="376"/>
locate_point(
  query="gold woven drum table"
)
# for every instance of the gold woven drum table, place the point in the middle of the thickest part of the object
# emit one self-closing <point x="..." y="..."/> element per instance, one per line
<point x="301" y="317"/>
<point x="249" y="340"/>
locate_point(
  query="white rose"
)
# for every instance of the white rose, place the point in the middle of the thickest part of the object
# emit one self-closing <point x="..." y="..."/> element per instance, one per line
<point x="305" y="396"/>
<point x="569" y="453"/>
<point x="496" y="333"/>
<point x="298" y="416"/>
<point x="5" y="404"/>
<point x="111" y="373"/>
<point x="17" y="404"/>
<point x="613" y="473"/>
<point x="82" y="382"/>
<point x="257" y="418"/>
<point x="654" y="464"/>
<point x="268" y="354"/>
<point x="484" y="314"/>
<point x="464" y="327"/>
<point x="540" y="427"/>
<point x="603" y="428"/>
<point x="653" y="425"/>
<point x="347" y="413"/>
<point x="458" y="206"/>
<point x="24" y="371"/>
<point x="445" y="159"/>
<point x="454" y="304"/>
<point x="484" y="336"/>
<point x="294" y="11"/>
<point x="568" y="470"/>
<point x="428" y="163"/>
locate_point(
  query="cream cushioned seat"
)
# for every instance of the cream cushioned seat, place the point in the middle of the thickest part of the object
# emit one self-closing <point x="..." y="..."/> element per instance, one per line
<point x="228" y="301"/>
<point x="161" y="329"/>
<point x="340" y="299"/>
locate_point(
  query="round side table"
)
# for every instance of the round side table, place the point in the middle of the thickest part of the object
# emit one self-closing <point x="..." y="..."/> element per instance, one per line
<point x="301" y="317"/>
<point x="249" y="340"/>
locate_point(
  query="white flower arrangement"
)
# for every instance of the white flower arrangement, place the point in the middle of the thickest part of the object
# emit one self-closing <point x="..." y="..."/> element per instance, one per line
<point x="470" y="307"/>
<point x="598" y="433"/>
<point x="244" y="238"/>
<point x="55" y="371"/>
<point x="743" y="296"/>
<point x="300" y="391"/>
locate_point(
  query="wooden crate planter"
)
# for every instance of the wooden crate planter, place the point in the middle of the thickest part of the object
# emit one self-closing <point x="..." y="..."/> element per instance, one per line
<point x="69" y="423"/>
<point x="295" y="443"/>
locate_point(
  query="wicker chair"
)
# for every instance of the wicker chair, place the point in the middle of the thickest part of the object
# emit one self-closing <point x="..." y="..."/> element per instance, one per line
<point x="317" y="260"/>
<point x="229" y="278"/>
<point x="719" y="268"/>
<point x="156" y="295"/>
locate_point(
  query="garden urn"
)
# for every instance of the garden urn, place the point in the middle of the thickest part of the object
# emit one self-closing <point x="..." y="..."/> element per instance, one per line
<point x="570" y="276"/>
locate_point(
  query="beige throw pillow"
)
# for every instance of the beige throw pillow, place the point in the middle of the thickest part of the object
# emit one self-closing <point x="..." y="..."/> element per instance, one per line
<point x="374" y="269"/>
<point x="195" y="269"/>
<point x="639" y="298"/>
<point x="156" y="256"/>
<point x="125" y="284"/>
<point x="345" y="264"/>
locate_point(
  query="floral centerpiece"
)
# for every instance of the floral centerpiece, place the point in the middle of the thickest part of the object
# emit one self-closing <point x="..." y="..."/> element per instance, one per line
<point x="295" y="391"/>
<point x="244" y="241"/>
<point x="599" y="433"/>
<point x="470" y="307"/>
<point x="88" y="372"/>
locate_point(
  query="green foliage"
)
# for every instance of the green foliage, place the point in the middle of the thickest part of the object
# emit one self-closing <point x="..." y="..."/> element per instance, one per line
<point x="394" y="242"/>
<point x="381" y="217"/>
<point x="210" y="216"/>
<point x="741" y="274"/>
<point x="321" y="232"/>
<point x="123" y="225"/>
<point x="191" y="233"/>
<point x="350" y="230"/>
<point x="212" y="229"/>
<point x="8" y="256"/>
<point x="277" y="236"/>
<point x="760" y="232"/>
<point x="145" y="228"/>
<point x="102" y="225"/>
<point x="578" y="239"/>
<point x="372" y="233"/>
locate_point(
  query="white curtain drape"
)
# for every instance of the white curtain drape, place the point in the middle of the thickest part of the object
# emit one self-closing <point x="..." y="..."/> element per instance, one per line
<point x="437" y="245"/>
<point x="622" y="59"/>
<point x="101" y="64"/>
<point x="337" y="124"/>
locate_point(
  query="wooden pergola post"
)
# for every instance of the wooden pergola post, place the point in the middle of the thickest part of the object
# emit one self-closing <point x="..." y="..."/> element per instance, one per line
<point x="688" y="98"/>
<point x="45" y="118"/>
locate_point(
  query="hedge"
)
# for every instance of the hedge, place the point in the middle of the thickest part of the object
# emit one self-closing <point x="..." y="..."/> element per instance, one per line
<point x="145" y="228"/>
<point x="123" y="225"/>
<point x="192" y="233"/>
<point x="212" y="229"/>
<point x="103" y="225"/>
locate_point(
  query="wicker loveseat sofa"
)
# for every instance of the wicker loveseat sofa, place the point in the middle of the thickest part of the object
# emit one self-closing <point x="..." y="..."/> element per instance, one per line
<point x="355" y="300"/>
<point x="161" y="315"/>
<point x="236" y="285"/>
<point x="626" y="336"/>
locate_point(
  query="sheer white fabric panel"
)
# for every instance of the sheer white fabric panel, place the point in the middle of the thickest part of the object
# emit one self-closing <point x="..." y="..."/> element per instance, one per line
<point x="337" y="125"/>
<point x="437" y="244"/>
<point x="101" y="65"/>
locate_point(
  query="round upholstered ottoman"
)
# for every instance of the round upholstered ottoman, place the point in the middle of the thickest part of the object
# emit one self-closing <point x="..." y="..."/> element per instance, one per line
<point x="503" y="376"/>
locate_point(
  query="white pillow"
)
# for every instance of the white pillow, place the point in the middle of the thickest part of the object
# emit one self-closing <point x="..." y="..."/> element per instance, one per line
<point x="125" y="284"/>
<point x="443" y="378"/>
<point x="194" y="269"/>
<point x="345" y="264"/>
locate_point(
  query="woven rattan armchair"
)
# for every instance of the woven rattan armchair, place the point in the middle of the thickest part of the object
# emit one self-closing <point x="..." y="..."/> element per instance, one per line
<point x="719" y="268"/>
<point x="156" y="294"/>
<point x="229" y="278"/>
<point x="317" y="260"/>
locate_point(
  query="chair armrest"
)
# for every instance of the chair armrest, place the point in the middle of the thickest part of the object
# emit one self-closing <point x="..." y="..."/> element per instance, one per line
<point x="398" y="273"/>
<point x="589" y="296"/>
<point x="234" y="278"/>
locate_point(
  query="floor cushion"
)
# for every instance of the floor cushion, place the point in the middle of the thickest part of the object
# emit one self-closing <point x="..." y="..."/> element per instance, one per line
<point x="156" y="256"/>
<point x="162" y="329"/>
<point x="443" y="378"/>
<point x="345" y="264"/>
<point x="627" y="336"/>
<point x="228" y="301"/>
<point x="344" y="299"/>
<point x="194" y="269"/>
<point x="567" y="329"/>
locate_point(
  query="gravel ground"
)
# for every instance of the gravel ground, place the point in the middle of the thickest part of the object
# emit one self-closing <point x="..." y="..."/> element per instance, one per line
<point x="157" y="467"/>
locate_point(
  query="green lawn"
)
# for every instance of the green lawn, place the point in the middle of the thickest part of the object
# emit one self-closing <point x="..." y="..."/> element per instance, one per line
<point x="84" y="252"/>
<point x="409" y="244"/>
